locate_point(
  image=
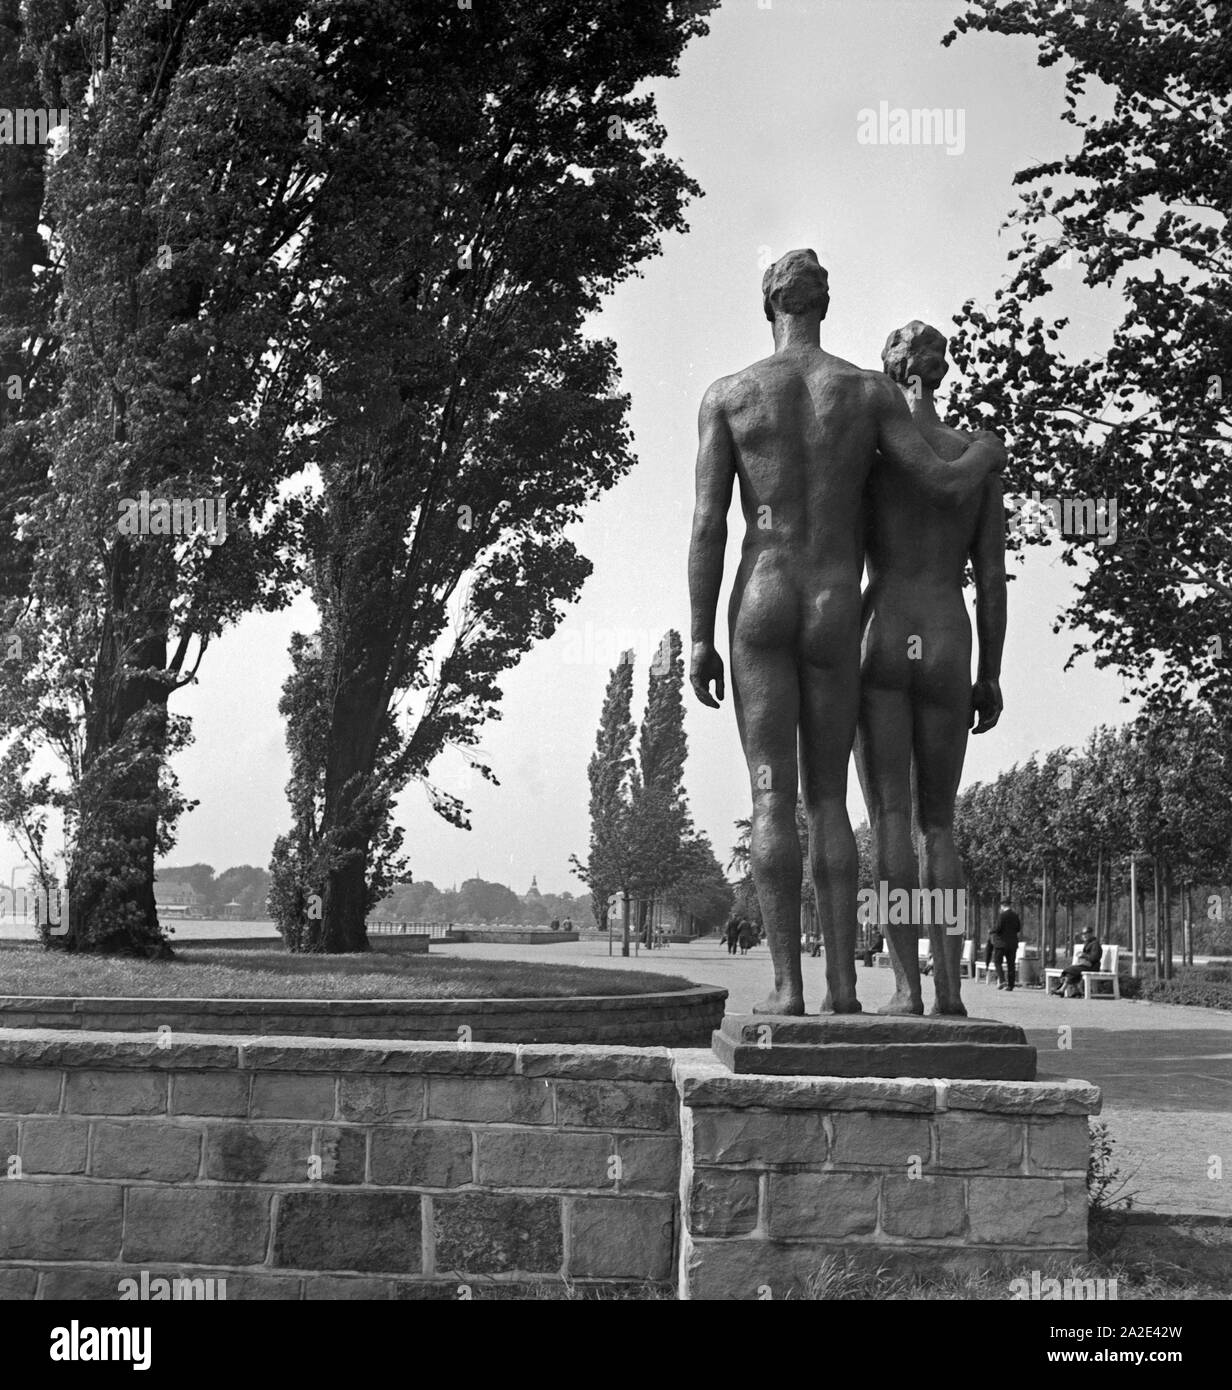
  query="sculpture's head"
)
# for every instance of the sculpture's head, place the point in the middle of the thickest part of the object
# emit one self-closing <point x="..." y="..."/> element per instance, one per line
<point x="915" y="350"/>
<point x="794" y="284"/>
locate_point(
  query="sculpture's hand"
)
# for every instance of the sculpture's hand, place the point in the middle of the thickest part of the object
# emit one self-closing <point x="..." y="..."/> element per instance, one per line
<point x="706" y="668"/>
<point x="998" y="446"/>
<point x="985" y="704"/>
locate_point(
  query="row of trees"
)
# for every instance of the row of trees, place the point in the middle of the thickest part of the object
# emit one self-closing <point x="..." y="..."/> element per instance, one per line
<point x="479" y="900"/>
<point x="1149" y="803"/>
<point x="1068" y="834"/>
<point x="643" y="845"/>
<point x="328" y="262"/>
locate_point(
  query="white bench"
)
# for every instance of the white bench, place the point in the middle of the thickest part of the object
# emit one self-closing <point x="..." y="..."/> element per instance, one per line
<point x="1053" y="972"/>
<point x="1106" y="974"/>
<point x="923" y="951"/>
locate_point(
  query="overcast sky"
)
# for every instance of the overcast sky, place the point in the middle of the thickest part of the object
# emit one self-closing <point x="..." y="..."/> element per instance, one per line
<point x="765" y="115"/>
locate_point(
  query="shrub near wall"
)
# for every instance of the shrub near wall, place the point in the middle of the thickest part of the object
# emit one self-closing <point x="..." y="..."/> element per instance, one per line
<point x="297" y="1168"/>
<point x="1209" y="987"/>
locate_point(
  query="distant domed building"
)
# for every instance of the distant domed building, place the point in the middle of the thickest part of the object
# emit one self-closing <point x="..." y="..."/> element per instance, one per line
<point x="534" y="909"/>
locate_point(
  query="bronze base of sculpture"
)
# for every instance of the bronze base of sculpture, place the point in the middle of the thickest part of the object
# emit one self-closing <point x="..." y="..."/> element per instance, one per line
<point x="965" y="1049"/>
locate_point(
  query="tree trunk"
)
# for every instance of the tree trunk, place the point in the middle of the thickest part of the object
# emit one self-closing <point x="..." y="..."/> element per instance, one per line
<point x="1043" y="914"/>
<point x="349" y="819"/>
<point x="110" y="873"/>
<point x="1156" y="899"/>
<point x="1052" y="926"/>
<point x="1099" y="887"/>
<point x="1168" y="922"/>
<point x="1187" y="925"/>
<point x="344" y="906"/>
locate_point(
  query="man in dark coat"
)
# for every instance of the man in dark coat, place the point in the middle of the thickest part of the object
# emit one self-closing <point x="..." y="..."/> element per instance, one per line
<point x="1004" y="940"/>
<point x="1090" y="959"/>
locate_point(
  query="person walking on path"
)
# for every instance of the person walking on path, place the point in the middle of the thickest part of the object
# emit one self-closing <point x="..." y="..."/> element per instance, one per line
<point x="1090" y="959"/>
<point x="747" y="937"/>
<point x="1004" y="941"/>
<point x="733" y="934"/>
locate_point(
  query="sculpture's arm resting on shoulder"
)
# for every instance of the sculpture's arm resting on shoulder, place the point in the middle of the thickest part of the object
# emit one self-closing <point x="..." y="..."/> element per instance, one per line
<point x="716" y="474"/>
<point x="902" y="444"/>
<point x="988" y="564"/>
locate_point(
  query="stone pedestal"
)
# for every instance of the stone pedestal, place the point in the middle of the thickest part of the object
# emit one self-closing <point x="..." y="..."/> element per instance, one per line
<point x="857" y="1045"/>
<point x="780" y="1173"/>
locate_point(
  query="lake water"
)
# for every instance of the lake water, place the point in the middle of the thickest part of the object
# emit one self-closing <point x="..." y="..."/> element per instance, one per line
<point x="183" y="931"/>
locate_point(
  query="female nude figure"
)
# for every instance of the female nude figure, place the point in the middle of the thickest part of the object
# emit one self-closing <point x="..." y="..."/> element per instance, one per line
<point x="917" y="701"/>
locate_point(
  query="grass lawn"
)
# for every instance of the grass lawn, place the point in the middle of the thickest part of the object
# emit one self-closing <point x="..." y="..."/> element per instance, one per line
<point x="263" y="970"/>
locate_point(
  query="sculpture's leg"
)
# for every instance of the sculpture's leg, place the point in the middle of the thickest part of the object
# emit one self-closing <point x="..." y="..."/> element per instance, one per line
<point x="883" y="756"/>
<point x="765" y="693"/>
<point x="942" y="720"/>
<point x="829" y="706"/>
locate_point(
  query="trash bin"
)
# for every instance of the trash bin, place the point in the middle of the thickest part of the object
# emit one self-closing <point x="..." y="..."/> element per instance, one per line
<point x="1029" y="972"/>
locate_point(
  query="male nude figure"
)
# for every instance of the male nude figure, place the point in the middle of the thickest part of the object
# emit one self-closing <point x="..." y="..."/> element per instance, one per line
<point x="801" y="431"/>
<point x="917" y="701"/>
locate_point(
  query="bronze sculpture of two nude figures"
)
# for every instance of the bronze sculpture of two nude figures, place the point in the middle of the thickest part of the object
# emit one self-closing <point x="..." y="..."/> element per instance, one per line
<point x="837" y="467"/>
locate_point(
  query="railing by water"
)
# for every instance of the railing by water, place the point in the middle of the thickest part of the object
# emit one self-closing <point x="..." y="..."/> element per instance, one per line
<point x="434" y="929"/>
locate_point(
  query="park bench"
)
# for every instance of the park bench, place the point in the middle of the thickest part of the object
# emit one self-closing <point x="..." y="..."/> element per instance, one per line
<point x="924" y="950"/>
<point x="1105" y="975"/>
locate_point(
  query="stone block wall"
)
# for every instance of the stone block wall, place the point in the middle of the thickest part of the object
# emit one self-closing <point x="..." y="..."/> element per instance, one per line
<point x="318" y="1168"/>
<point x="305" y="1168"/>
<point x="780" y="1174"/>
<point x="679" y="1018"/>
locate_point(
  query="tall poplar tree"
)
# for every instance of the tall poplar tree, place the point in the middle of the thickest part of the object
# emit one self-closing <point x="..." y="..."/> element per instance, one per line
<point x="605" y="870"/>
<point x="467" y="416"/>
<point x="157" y="352"/>
<point x="658" y="796"/>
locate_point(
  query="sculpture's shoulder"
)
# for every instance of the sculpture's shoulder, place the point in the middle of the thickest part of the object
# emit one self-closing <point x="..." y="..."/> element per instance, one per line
<point x="880" y="388"/>
<point x="730" y="395"/>
<point x="718" y="393"/>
